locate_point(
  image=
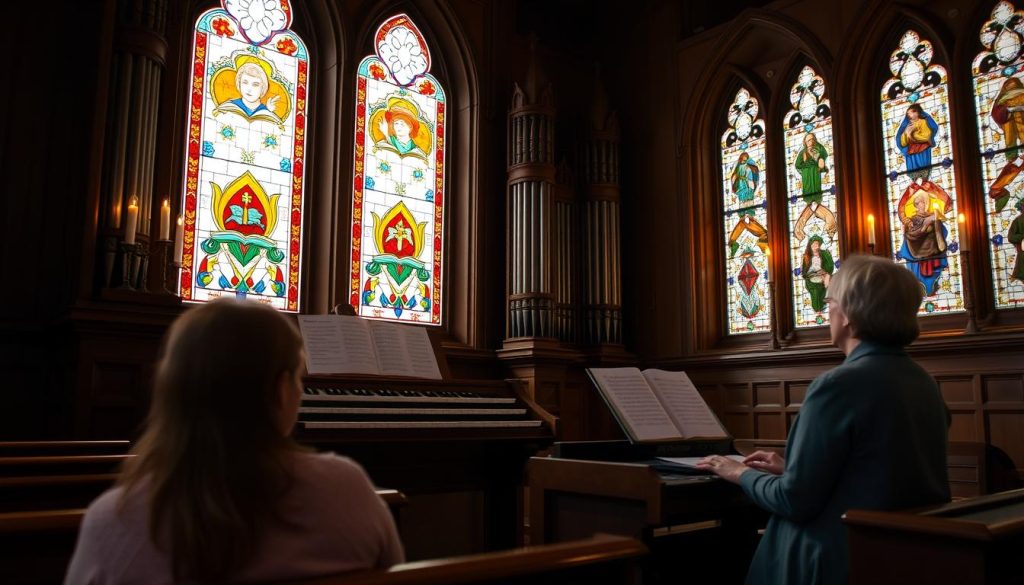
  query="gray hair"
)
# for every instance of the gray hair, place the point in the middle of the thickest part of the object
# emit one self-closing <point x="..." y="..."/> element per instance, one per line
<point x="880" y="297"/>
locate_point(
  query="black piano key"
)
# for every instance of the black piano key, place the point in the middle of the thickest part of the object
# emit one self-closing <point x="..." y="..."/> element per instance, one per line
<point x="311" y="391"/>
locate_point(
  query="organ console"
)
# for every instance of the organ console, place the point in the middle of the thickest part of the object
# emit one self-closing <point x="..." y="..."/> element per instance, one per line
<point x="456" y="448"/>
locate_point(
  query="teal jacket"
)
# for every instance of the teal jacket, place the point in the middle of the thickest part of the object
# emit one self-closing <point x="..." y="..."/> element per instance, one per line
<point x="871" y="434"/>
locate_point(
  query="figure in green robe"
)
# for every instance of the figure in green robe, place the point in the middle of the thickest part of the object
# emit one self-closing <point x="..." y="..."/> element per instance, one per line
<point x="1016" y="237"/>
<point x="810" y="163"/>
<point x="817" y="269"/>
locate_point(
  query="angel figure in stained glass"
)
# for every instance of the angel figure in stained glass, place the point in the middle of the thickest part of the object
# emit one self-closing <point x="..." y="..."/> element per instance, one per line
<point x="745" y="177"/>
<point x="916" y="138"/>
<point x="247" y="87"/>
<point x="1008" y="113"/>
<point x="817" y="268"/>
<point x="1016" y="236"/>
<point x="400" y="128"/>
<point x="924" y="235"/>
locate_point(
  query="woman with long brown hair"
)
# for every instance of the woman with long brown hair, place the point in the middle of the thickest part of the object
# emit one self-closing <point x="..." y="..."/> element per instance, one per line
<point x="217" y="491"/>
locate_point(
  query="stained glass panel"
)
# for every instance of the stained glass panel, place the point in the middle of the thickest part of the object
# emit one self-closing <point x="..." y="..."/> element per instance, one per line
<point x="999" y="97"/>
<point x="243" y="187"/>
<point x="919" y="166"/>
<point x="398" y="195"/>
<point x="745" y="218"/>
<point x="813" y="205"/>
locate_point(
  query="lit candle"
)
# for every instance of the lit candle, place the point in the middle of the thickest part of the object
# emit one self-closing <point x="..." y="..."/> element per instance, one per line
<point x="871" y="230"/>
<point x="960" y="219"/>
<point x="165" y="220"/>
<point x="179" y="232"/>
<point x="133" y="220"/>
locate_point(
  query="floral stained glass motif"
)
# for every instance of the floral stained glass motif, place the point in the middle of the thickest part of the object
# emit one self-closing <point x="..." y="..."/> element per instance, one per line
<point x="919" y="174"/>
<point x="745" y="218"/>
<point x="399" y="191"/>
<point x="243" y="185"/>
<point x="813" y="206"/>
<point x="999" y="97"/>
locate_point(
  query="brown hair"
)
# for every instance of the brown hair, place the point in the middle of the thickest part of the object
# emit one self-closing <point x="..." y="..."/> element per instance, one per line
<point x="880" y="298"/>
<point x="212" y="460"/>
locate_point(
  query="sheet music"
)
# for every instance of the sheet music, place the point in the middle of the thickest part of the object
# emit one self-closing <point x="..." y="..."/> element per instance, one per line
<point x="684" y="404"/>
<point x="420" y="352"/>
<point x="342" y="344"/>
<point x="627" y="389"/>
<point x="691" y="462"/>
<point x="337" y="345"/>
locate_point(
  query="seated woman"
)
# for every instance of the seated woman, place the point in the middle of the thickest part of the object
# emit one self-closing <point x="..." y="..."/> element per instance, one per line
<point x="871" y="433"/>
<point x="217" y="491"/>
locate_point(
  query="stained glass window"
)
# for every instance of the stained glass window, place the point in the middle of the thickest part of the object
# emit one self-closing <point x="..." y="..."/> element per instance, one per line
<point x="243" y="188"/>
<point x="999" y="96"/>
<point x="745" y="217"/>
<point x="813" y="206"/>
<point x="398" y="195"/>
<point x="917" y="145"/>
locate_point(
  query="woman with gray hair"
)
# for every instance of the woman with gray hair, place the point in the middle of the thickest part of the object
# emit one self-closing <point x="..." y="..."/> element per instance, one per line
<point x="871" y="433"/>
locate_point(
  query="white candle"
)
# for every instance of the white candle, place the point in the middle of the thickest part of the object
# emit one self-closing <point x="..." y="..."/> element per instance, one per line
<point x="871" y="230"/>
<point x="133" y="220"/>
<point x="961" y="219"/>
<point x="179" y="232"/>
<point x="165" y="220"/>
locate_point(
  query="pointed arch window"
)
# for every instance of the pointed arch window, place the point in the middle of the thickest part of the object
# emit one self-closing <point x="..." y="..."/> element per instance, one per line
<point x="398" y="195"/>
<point x="998" y="73"/>
<point x="921" y="186"/>
<point x="243" y="187"/>
<point x="813" y="202"/>
<point x="745" y="217"/>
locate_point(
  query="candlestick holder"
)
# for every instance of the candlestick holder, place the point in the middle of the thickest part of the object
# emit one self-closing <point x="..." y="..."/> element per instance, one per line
<point x="168" y="267"/>
<point x="128" y="265"/>
<point x="972" y="323"/>
<point x="142" y="267"/>
<point x="773" y="341"/>
<point x="871" y="248"/>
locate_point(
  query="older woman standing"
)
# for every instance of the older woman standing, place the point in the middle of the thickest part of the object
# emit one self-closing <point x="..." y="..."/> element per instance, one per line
<point x="871" y="433"/>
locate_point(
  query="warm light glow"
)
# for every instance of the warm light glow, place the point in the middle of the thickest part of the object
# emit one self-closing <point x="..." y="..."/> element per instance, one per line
<point x="179" y="220"/>
<point x="133" y="203"/>
<point x="961" y="219"/>
<point x="935" y="206"/>
<point x="767" y="251"/>
<point x="871" y="219"/>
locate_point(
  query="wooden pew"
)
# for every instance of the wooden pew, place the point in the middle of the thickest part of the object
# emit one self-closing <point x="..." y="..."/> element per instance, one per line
<point x="600" y="559"/>
<point x="976" y="541"/>
<point x="26" y="448"/>
<point x="36" y="547"/>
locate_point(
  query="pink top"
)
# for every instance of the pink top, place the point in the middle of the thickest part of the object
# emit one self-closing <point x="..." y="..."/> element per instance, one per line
<point x="334" y="522"/>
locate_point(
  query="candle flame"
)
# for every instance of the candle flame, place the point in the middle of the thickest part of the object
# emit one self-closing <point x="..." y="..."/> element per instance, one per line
<point x="133" y="202"/>
<point x="871" y="218"/>
<point x="961" y="219"/>
<point x="179" y="220"/>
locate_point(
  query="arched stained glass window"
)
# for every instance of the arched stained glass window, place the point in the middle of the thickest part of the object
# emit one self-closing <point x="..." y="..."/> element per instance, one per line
<point x="745" y="217"/>
<point x="398" y="198"/>
<point x="813" y="206"/>
<point x="999" y="96"/>
<point x="917" y="145"/>
<point x="243" y="187"/>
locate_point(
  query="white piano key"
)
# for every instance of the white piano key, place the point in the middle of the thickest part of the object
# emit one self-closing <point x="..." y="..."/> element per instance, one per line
<point x="422" y="399"/>
<point x="416" y="411"/>
<point x="456" y="424"/>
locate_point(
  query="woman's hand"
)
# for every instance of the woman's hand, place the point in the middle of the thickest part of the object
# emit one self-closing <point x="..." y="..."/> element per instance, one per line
<point x="767" y="461"/>
<point x="728" y="469"/>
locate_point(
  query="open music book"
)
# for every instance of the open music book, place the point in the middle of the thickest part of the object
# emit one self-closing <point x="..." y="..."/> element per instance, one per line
<point x="342" y="344"/>
<point x="655" y="405"/>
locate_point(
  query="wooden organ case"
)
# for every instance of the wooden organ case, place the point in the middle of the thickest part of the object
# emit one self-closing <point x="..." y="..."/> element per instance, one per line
<point x="456" y="448"/>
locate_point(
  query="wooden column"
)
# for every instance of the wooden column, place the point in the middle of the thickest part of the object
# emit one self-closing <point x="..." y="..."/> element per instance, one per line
<point x="139" y="57"/>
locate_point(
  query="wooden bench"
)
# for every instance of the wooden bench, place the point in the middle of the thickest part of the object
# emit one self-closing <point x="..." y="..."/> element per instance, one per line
<point x="26" y="448"/>
<point x="36" y="547"/>
<point x="600" y="560"/>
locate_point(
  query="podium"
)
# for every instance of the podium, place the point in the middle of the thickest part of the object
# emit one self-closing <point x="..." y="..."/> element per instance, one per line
<point x="970" y="542"/>
<point x="695" y="525"/>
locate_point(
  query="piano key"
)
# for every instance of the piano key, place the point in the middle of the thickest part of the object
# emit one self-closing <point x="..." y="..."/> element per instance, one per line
<point x="415" y="411"/>
<point x="431" y="424"/>
<point x="425" y="398"/>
